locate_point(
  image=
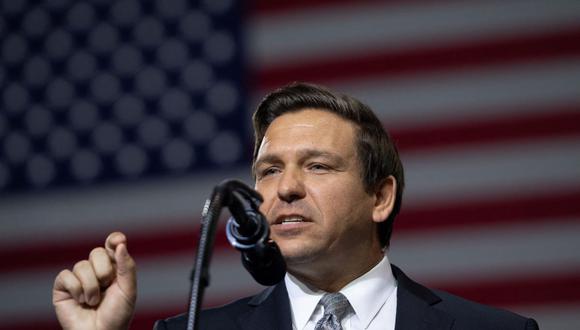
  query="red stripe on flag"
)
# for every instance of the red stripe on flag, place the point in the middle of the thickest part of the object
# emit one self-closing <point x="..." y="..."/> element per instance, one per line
<point x="386" y="62"/>
<point x="61" y="254"/>
<point x="528" y="210"/>
<point x="521" y="291"/>
<point x="550" y="122"/>
<point x="269" y="8"/>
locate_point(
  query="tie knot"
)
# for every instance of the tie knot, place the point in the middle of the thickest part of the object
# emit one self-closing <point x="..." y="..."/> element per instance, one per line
<point x="335" y="304"/>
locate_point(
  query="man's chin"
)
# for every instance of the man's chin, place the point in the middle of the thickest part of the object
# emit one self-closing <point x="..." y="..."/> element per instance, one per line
<point x="298" y="256"/>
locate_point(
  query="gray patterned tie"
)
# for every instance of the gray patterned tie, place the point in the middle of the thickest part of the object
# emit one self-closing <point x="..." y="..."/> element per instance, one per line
<point x="336" y="306"/>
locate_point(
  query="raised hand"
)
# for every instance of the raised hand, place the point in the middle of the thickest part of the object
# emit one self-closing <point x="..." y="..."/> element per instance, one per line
<point x="99" y="293"/>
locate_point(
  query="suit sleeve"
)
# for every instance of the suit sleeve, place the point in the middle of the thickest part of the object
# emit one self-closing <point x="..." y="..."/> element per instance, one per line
<point x="531" y="324"/>
<point x="159" y="325"/>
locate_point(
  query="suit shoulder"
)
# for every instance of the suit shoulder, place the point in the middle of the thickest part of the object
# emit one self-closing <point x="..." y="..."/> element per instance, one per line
<point x="231" y="309"/>
<point x="221" y="317"/>
<point x="467" y="313"/>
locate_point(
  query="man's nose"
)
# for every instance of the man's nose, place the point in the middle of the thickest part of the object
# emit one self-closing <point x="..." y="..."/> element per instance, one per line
<point x="291" y="186"/>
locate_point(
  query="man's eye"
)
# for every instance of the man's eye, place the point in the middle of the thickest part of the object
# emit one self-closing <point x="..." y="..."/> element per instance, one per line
<point x="269" y="171"/>
<point x="318" y="167"/>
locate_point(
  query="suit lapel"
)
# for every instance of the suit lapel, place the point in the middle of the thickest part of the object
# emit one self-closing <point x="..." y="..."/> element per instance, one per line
<point x="415" y="306"/>
<point x="268" y="310"/>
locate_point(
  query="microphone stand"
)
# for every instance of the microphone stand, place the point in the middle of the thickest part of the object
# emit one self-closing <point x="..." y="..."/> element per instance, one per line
<point x="247" y="231"/>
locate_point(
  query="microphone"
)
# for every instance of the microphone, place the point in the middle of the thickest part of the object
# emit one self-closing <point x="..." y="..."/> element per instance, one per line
<point x="248" y="231"/>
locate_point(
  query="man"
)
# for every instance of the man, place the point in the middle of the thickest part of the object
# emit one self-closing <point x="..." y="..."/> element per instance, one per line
<point x="332" y="183"/>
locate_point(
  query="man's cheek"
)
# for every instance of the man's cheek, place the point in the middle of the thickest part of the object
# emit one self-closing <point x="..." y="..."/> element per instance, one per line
<point x="264" y="208"/>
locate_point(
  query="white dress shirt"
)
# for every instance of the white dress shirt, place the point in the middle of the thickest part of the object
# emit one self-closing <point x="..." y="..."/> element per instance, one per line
<point x="373" y="296"/>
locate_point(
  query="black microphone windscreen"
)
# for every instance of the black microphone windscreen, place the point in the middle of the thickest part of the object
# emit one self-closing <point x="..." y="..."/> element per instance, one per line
<point x="267" y="270"/>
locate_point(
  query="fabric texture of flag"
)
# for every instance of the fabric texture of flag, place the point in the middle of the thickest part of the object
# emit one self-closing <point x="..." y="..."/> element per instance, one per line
<point x="123" y="115"/>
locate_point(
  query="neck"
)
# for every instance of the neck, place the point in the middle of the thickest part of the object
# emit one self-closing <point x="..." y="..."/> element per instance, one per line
<point x="332" y="279"/>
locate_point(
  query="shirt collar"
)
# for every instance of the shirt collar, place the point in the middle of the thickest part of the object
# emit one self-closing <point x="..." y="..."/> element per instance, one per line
<point x="303" y="300"/>
<point x="366" y="294"/>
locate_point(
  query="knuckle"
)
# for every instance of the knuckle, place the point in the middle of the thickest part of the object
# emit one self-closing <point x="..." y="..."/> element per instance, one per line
<point x="91" y="288"/>
<point x="67" y="280"/>
<point x="98" y="251"/>
<point x="63" y="274"/>
<point x="104" y="274"/>
<point x="81" y="265"/>
<point x="62" y="278"/>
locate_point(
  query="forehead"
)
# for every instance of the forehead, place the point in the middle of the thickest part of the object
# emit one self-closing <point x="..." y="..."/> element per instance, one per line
<point x="309" y="128"/>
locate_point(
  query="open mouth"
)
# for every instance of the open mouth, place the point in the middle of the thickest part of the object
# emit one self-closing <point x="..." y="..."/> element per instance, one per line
<point x="292" y="219"/>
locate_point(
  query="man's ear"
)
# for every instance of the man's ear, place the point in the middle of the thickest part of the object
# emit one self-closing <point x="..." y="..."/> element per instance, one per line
<point x="385" y="199"/>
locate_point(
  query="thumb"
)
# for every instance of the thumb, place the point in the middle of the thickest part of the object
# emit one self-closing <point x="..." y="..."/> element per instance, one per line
<point x="126" y="272"/>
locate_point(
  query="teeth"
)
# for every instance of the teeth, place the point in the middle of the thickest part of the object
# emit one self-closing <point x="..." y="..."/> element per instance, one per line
<point x="292" y="220"/>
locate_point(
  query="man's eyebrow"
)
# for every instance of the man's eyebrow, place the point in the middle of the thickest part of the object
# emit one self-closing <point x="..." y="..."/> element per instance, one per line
<point x="265" y="159"/>
<point x="269" y="159"/>
<point x="310" y="153"/>
<point x="302" y="154"/>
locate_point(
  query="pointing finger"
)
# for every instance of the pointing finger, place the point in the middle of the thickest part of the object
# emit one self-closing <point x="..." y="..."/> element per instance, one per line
<point x="102" y="266"/>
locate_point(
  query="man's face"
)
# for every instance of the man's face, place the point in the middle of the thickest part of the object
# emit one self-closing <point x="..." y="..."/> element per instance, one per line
<point x="309" y="174"/>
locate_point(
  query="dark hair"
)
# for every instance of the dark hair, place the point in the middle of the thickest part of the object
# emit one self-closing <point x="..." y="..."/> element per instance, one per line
<point x="376" y="150"/>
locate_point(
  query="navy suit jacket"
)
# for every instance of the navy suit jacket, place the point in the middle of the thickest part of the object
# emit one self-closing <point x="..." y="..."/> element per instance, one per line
<point x="417" y="308"/>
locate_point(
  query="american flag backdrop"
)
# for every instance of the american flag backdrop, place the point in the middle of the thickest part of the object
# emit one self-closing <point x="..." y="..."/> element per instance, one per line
<point x="123" y="115"/>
